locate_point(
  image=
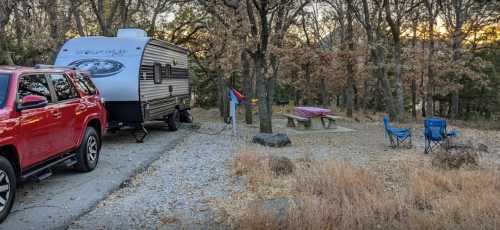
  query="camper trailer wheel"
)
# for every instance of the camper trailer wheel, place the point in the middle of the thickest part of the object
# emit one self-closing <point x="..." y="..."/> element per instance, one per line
<point x="186" y="116"/>
<point x="174" y="121"/>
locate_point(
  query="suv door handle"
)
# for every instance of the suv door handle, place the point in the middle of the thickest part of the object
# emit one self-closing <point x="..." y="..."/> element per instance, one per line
<point x="56" y="113"/>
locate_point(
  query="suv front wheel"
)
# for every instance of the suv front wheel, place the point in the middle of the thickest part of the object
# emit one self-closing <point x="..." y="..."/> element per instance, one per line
<point x="7" y="187"/>
<point x="88" y="153"/>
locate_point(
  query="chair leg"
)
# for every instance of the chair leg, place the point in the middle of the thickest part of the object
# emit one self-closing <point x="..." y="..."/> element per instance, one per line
<point x="391" y="140"/>
<point x="427" y="147"/>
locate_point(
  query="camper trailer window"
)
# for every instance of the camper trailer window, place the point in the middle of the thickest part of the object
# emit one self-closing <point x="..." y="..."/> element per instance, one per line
<point x="64" y="89"/>
<point x="168" y="71"/>
<point x="157" y="73"/>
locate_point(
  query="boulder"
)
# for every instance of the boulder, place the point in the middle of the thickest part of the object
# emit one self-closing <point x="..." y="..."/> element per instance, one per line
<point x="281" y="166"/>
<point x="272" y="140"/>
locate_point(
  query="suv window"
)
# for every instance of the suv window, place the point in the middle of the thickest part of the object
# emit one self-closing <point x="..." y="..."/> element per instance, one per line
<point x="34" y="85"/>
<point x="64" y="89"/>
<point x="4" y="86"/>
<point x="86" y="84"/>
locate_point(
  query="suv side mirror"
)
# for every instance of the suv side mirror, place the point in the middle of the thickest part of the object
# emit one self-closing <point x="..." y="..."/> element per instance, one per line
<point x="32" y="102"/>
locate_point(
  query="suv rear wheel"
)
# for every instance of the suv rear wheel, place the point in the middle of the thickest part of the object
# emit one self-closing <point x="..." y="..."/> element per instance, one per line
<point x="7" y="187"/>
<point x="88" y="153"/>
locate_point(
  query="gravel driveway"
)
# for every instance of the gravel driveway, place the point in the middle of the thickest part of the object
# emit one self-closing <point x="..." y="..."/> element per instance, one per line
<point x="175" y="191"/>
<point x="54" y="203"/>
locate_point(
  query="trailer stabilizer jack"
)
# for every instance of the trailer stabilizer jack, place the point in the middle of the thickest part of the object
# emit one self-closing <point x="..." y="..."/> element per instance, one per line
<point x="140" y="133"/>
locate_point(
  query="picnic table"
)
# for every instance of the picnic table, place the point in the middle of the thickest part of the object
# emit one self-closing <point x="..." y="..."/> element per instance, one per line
<point x="311" y="112"/>
<point x="305" y="115"/>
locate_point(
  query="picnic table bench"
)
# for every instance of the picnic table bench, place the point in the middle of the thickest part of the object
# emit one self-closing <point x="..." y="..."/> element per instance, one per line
<point x="304" y="121"/>
<point x="329" y="120"/>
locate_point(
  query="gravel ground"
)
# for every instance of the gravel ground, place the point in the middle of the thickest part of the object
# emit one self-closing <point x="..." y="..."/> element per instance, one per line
<point x="184" y="187"/>
<point x="174" y="192"/>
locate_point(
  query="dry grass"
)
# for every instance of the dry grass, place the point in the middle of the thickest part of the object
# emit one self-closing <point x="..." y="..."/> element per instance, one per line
<point x="255" y="168"/>
<point x="337" y="195"/>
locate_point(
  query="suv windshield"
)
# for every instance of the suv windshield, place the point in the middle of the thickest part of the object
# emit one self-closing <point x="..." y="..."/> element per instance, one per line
<point x="4" y="86"/>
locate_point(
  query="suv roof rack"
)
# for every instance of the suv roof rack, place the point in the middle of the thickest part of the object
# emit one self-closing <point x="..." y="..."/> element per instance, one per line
<point x="43" y="66"/>
<point x="10" y="67"/>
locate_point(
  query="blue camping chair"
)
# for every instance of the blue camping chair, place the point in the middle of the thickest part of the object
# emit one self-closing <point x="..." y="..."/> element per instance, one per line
<point x="397" y="136"/>
<point x="436" y="133"/>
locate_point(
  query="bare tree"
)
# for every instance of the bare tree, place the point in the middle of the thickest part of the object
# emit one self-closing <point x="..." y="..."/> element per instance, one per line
<point x="395" y="11"/>
<point x="432" y="11"/>
<point x="371" y="17"/>
<point x="6" y="9"/>
<point x="105" y="13"/>
<point x="263" y="17"/>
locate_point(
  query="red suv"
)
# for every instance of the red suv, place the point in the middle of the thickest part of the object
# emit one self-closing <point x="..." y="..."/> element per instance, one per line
<point x="48" y="116"/>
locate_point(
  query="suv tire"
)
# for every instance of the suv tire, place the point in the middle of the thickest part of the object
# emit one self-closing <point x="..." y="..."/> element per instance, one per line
<point x="88" y="153"/>
<point x="174" y="120"/>
<point x="7" y="187"/>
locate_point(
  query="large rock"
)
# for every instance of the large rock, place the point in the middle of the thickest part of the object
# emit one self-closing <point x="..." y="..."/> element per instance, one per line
<point x="272" y="140"/>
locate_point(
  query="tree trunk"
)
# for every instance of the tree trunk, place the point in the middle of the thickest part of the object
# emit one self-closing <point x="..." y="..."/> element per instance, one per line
<point x="324" y="94"/>
<point x="456" y="45"/>
<point x="375" y="37"/>
<point x="222" y="95"/>
<point x="414" y="98"/>
<point x="262" y="95"/>
<point x="429" y="112"/>
<point x="307" y="88"/>
<point x="350" y="62"/>
<point x="395" y="28"/>
<point x="247" y="86"/>
<point x="5" y="57"/>
<point x="455" y="104"/>
<point x="399" y="81"/>
<point x="366" y="91"/>
<point x="379" y="53"/>
<point x="78" y="19"/>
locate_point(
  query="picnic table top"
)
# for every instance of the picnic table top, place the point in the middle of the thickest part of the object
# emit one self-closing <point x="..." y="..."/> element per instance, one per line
<point x="310" y="112"/>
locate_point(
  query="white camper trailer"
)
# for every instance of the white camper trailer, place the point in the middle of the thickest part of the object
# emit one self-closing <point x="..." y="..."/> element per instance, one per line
<point x="140" y="78"/>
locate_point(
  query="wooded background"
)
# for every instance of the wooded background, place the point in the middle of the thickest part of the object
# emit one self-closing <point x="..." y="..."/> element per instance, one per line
<point x="409" y="58"/>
